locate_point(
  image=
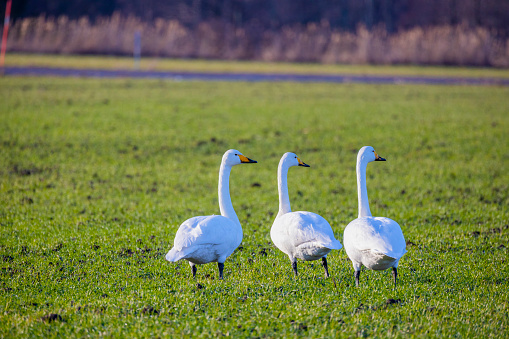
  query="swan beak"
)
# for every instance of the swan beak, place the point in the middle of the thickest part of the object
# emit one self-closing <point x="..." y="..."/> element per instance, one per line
<point x="246" y="160"/>
<point x="379" y="158"/>
<point x="302" y="164"/>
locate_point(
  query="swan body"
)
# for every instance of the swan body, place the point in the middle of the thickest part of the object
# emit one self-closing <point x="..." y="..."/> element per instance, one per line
<point x="375" y="242"/>
<point x="303" y="235"/>
<point x="205" y="239"/>
<point x="212" y="238"/>
<point x="300" y="235"/>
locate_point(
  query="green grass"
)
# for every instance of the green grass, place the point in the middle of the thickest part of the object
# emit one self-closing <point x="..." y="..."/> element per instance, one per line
<point x="101" y="62"/>
<point x="97" y="175"/>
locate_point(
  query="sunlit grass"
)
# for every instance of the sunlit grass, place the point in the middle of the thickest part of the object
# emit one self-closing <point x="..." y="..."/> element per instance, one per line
<point x="97" y="175"/>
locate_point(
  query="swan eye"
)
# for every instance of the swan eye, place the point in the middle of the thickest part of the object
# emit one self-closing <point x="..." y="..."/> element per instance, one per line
<point x="236" y="154"/>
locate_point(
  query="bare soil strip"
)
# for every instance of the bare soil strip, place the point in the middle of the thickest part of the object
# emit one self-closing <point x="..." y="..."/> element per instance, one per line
<point x="251" y="77"/>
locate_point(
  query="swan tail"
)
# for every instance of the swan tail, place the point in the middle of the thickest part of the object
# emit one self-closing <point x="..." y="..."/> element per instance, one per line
<point x="396" y="255"/>
<point x="174" y="255"/>
<point x="332" y="244"/>
<point x="329" y="245"/>
<point x="335" y="245"/>
<point x="381" y="254"/>
<point x="377" y="260"/>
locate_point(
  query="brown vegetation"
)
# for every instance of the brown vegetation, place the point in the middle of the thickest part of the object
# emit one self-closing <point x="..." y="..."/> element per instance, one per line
<point x="215" y="39"/>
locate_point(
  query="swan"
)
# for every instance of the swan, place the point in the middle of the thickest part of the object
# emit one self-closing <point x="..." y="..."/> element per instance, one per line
<point x="212" y="238"/>
<point x="374" y="242"/>
<point x="300" y="235"/>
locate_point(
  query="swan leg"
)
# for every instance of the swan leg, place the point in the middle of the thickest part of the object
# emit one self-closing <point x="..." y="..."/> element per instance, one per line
<point x="220" y="265"/>
<point x="357" y="267"/>
<point x="395" y="275"/>
<point x="194" y="269"/>
<point x="294" y="266"/>
<point x="324" y="263"/>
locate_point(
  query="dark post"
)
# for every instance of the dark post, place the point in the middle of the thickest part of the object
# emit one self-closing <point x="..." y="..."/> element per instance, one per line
<point x="137" y="49"/>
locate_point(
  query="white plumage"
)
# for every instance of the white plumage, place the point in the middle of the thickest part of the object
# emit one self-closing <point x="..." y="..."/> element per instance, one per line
<point x="301" y="235"/>
<point x="205" y="239"/>
<point x="213" y="238"/>
<point x="375" y="242"/>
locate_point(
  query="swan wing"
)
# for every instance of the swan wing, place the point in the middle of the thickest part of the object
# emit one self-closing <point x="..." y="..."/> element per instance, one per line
<point x="212" y="230"/>
<point x="298" y="228"/>
<point x="376" y="234"/>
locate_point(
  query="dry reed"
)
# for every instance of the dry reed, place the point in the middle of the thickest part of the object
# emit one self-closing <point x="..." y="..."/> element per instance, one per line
<point x="439" y="45"/>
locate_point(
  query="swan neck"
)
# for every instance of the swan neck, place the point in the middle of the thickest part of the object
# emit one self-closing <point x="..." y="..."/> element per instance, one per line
<point x="225" y="201"/>
<point x="282" y="186"/>
<point x="362" y="191"/>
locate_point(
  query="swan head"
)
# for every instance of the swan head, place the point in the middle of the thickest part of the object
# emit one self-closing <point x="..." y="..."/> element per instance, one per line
<point x="291" y="159"/>
<point x="233" y="157"/>
<point x="368" y="154"/>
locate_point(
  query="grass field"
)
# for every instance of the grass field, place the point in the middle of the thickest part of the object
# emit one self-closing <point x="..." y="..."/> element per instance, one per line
<point x="97" y="175"/>
<point x="190" y="65"/>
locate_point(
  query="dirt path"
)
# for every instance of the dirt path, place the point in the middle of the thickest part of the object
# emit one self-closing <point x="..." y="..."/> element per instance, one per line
<point x="250" y="77"/>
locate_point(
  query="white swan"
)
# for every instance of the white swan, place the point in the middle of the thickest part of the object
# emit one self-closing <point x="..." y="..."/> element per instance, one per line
<point x="212" y="238"/>
<point x="374" y="242"/>
<point x="301" y="235"/>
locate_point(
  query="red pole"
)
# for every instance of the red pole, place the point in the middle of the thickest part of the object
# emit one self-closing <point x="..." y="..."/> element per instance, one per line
<point x="6" y="30"/>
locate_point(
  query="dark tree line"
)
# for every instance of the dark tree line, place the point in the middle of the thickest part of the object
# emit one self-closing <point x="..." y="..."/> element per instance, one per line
<point x="274" y="14"/>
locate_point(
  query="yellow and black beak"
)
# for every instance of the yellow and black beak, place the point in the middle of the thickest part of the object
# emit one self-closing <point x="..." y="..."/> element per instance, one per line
<point x="379" y="158"/>
<point x="246" y="160"/>
<point x="302" y="164"/>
